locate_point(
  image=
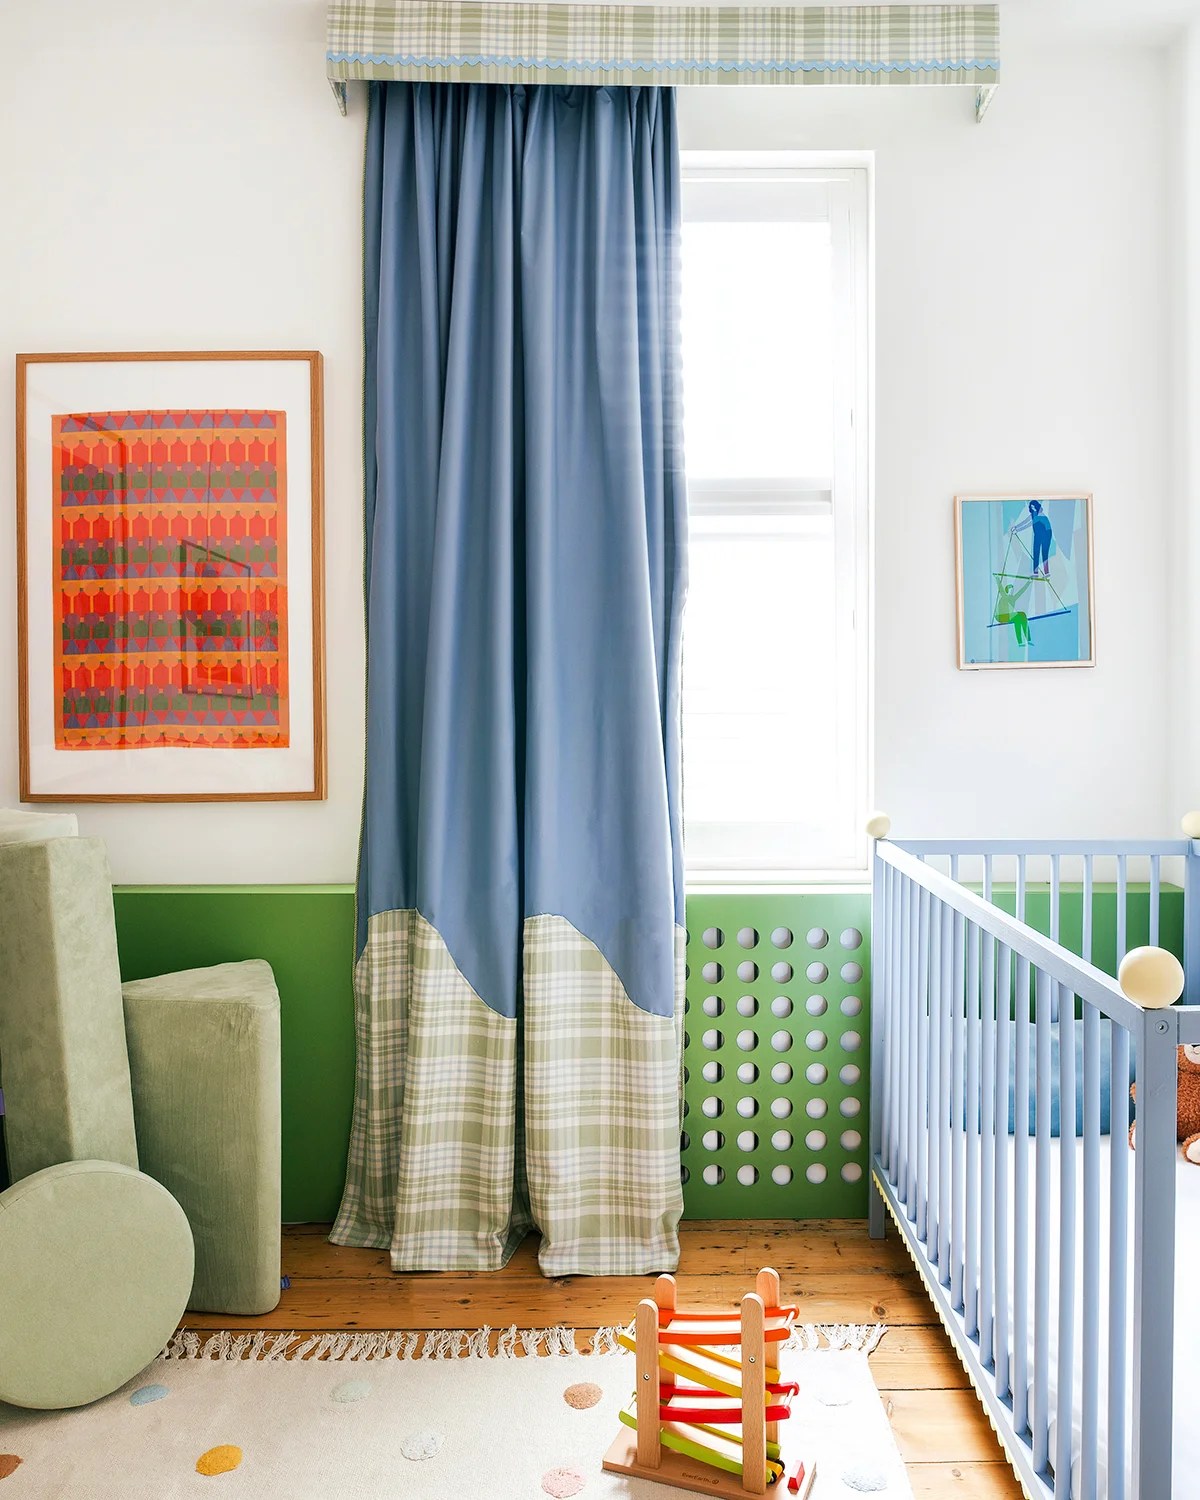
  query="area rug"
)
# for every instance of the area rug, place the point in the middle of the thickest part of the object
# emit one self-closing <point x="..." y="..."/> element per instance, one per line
<point x="409" y="1417"/>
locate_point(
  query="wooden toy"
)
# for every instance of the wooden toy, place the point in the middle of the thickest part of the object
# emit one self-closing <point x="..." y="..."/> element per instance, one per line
<point x="709" y="1400"/>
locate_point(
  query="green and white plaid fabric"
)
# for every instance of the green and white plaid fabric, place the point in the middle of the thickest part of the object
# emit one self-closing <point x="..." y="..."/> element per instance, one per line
<point x="602" y="1111"/>
<point x="456" y="1151"/>
<point x="504" y="41"/>
<point x="431" y="1168"/>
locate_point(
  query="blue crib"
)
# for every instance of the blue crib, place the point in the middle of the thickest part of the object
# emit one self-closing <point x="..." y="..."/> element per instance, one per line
<point x="1000" y="1064"/>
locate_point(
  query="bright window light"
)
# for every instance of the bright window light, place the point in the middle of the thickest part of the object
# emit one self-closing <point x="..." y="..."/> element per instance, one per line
<point x="758" y="330"/>
<point x="775" y="359"/>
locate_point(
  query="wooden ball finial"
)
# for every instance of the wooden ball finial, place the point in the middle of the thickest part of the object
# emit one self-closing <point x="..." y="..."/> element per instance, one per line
<point x="1151" y="977"/>
<point x="1190" y="823"/>
<point x="879" y="825"/>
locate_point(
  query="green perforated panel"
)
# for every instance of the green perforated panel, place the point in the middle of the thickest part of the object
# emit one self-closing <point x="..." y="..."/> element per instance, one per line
<point x="307" y="934"/>
<point x="776" y="1055"/>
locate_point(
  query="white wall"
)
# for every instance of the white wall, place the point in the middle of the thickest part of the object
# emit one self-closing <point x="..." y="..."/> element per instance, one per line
<point x="1185" y="381"/>
<point x="1022" y="341"/>
<point x="177" y="176"/>
<point x="1021" y="344"/>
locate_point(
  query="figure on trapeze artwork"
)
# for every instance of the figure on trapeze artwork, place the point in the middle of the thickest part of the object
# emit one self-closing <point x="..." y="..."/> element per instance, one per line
<point x="1024" y="572"/>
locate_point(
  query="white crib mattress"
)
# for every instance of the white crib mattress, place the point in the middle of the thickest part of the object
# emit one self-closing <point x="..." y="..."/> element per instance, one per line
<point x="1186" y="1456"/>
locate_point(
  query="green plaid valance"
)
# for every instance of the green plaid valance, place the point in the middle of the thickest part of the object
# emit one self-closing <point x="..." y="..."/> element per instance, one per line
<point x="500" y="41"/>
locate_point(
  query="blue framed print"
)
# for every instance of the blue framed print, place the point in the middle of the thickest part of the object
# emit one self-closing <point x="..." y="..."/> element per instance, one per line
<point x="1024" y="574"/>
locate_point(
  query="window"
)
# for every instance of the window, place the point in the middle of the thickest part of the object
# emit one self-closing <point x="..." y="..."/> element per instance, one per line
<point x="776" y="375"/>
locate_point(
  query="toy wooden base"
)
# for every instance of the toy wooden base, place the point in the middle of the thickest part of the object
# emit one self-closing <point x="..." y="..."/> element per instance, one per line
<point x="688" y="1474"/>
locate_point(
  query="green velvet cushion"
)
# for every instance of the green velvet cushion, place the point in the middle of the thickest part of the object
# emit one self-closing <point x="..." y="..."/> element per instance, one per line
<point x="63" y="1063"/>
<point x="204" y="1059"/>
<point x="95" y="1266"/>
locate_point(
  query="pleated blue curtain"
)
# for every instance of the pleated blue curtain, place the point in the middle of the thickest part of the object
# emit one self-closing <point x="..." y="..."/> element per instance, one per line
<point x="520" y="898"/>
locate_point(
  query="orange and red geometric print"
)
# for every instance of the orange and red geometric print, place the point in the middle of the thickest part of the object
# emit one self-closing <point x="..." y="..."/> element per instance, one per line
<point x="170" y="580"/>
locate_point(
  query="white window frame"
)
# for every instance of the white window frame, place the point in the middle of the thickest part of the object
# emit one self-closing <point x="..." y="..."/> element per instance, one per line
<point x="840" y="188"/>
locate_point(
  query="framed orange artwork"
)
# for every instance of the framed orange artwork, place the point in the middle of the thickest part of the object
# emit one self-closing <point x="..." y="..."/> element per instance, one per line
<point x="169" y="554"/>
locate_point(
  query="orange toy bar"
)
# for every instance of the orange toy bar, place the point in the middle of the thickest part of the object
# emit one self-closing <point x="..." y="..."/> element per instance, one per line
<point x="709" y="1399"/>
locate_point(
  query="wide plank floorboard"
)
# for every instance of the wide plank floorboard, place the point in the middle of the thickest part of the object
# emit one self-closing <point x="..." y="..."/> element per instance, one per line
<point x="832" y="1269"/>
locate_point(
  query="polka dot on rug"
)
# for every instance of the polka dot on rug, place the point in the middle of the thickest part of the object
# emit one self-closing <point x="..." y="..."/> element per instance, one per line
<point x="864" y="1478"/>
<point x="147" y="1393"/>
<point x="220" y="1460"/>
<point x="351" y="1390"/>
<point x="9" y="1464"/>
<point x="562" y="1482"/>
<point x="582" y="1395"/>
<point x="421" y="1445"/>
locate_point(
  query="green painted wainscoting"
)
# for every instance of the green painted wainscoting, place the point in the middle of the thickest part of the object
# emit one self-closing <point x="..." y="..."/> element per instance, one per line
<point x="306" y="934"/>
<point x="777" y="1027"/>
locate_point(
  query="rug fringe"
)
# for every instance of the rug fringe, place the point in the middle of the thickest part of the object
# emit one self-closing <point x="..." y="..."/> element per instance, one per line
<point x="443" y="1343"/>
<point x="461" y="1343"/>
<point x="857" y="1338"/>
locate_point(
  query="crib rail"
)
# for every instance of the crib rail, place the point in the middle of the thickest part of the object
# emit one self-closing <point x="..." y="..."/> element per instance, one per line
<point x="1024" y="1241"/>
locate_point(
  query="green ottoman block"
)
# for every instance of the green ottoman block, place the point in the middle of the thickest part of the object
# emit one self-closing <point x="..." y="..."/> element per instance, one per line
<point x="95" y="1267"/>
<point x="63" y="1063"/>
<point x="204" y="1060"/>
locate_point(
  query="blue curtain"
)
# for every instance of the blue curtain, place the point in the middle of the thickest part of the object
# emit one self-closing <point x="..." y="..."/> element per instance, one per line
<point x="520" y="896"/>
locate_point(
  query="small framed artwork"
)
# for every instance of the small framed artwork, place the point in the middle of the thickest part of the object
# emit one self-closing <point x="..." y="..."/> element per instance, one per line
<point x="169" y="577"/>
<point x="1024" y="574"/>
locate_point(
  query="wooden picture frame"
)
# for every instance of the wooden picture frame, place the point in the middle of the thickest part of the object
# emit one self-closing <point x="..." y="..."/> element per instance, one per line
<point x="170" y="576"/>
<point x="1024" y="580"/>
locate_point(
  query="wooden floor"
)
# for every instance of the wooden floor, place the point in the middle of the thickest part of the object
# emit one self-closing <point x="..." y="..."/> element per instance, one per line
<point x="835" y="1272"/>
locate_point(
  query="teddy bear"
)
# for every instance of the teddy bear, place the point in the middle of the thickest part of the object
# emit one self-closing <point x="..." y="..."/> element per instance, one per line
<point x="1188" y="1108"/>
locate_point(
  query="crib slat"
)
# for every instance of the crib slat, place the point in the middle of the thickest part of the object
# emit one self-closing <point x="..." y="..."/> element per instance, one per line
<point x="1020" y="1359"/>
<point x="916" y="1008"/>
<point x="971" y="1110"/>
<point x="988" y="1147"/>
<point x="876" y="1210"/>
<point x="1153" y="1262"/>
<point x="893" y="1008"/>
<point x="920" y="1117"/>
<point x="1003" y="1030"/>
<point x="1090" y="1304"/>
<point x="1041" y="1269"/>
<point x="945" y="1107"/>
<point x="881" y="1002"/>
<point x="933" y="1217"/>
<point x="1118" y="1274"/>
<point x="1155" y="897"/>
<point x="1055" y="896"/>
<point x="1022" y="863"/>
<point x="1089" y="895"/>
<point x="900" y="1176"/>
<point x="1055" y="920"/>
<point x="1064" y="1437"/>
<point x="957" y="1111"/>
<point x="1122" y="906"/>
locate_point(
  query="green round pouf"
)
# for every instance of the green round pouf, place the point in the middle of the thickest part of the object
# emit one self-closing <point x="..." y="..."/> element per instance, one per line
<point x="96" y="1265"/>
